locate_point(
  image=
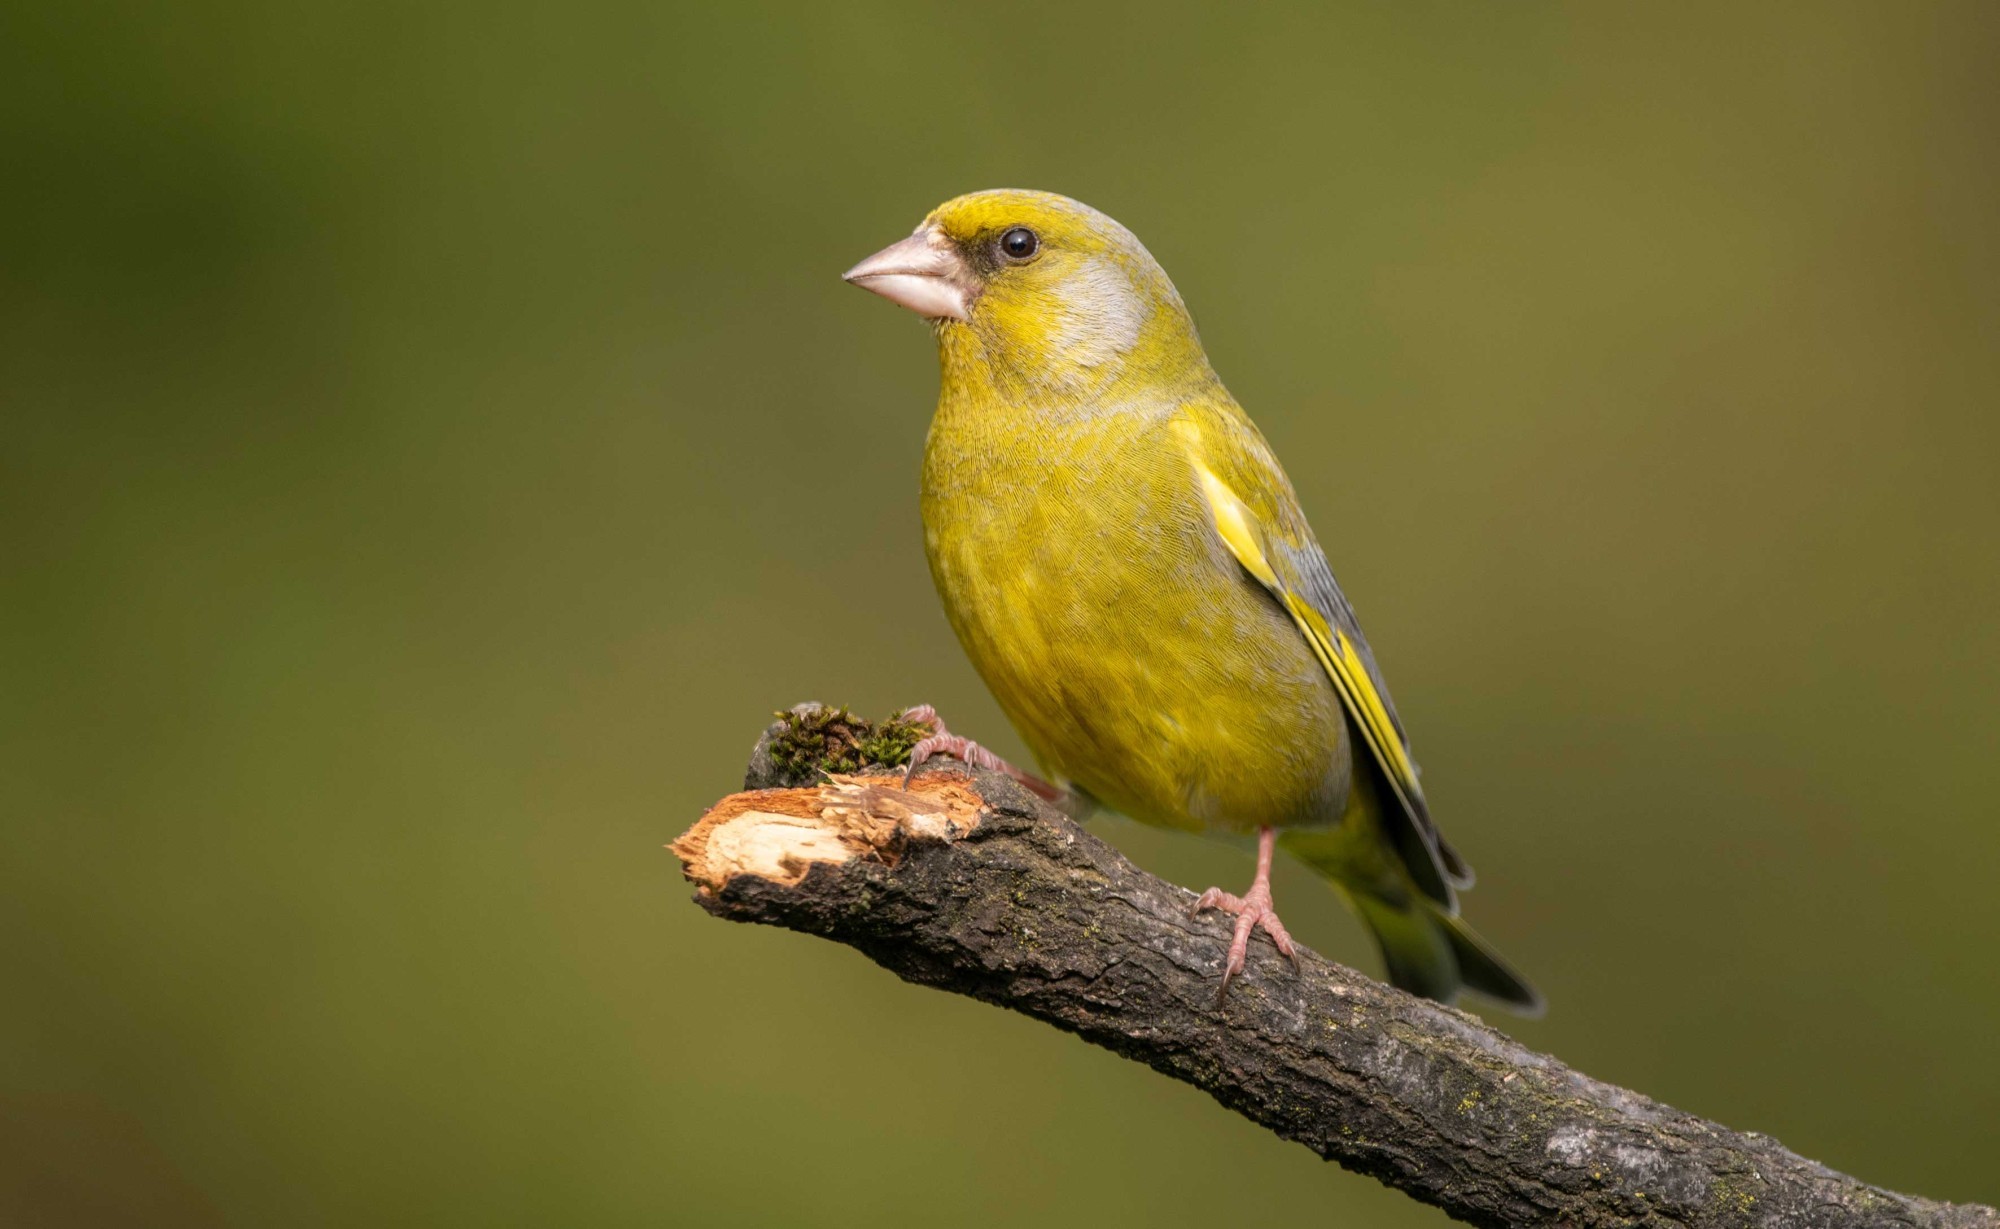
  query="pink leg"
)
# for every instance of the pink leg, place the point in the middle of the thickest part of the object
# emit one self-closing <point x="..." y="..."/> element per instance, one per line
<point x="943" y="741"/>
<point x="1253" y="912"/>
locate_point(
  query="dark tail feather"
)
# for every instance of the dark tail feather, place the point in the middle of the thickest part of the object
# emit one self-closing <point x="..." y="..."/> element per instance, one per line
<point x="1482" y="969"/>
<point x="1426" y="948"/>
<point x="1432" y="953"/>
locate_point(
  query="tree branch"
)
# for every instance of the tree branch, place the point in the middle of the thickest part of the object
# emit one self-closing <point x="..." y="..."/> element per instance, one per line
<point x="970" y="884"/>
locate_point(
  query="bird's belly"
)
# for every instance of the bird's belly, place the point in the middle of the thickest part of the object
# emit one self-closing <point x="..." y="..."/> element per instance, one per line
<point x="1144" y="668"/>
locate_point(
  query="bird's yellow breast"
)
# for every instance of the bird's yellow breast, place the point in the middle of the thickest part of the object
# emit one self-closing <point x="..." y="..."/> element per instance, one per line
<point x="1079" y="569"/>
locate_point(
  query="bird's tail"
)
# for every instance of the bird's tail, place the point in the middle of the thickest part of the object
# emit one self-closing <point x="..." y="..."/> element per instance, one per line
<point x="1427" y="950"/>
<point x="1435" y="954"/>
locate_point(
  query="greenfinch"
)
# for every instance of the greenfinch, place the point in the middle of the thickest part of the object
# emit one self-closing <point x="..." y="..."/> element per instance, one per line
<point x="1127" y="566"/>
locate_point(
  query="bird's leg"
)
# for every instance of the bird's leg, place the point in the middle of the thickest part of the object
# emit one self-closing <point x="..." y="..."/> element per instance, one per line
<point x="945" y="742"/>
<point x="1253" y="911"/>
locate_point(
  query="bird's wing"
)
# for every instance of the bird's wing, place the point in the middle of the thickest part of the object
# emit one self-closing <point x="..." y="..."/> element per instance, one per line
<point x="1257" y="516"/>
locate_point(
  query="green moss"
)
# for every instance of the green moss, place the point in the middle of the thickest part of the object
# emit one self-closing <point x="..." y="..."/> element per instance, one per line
<point x="822" y="740"/>
<point x="892" y="741"/>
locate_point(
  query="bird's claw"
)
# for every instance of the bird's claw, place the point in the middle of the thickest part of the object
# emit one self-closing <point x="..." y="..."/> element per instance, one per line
<point x="923" y="714"/>
<point x="1253" y="913"/>
<point x="943" y="741"/>
<point x="963" y="749"/>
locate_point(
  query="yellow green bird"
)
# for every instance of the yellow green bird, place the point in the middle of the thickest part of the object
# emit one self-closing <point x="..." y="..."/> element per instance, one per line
<point x="1127" y="566"/>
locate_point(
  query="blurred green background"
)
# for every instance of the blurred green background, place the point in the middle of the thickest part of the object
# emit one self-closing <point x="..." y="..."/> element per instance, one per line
<point x="436" y="437"/>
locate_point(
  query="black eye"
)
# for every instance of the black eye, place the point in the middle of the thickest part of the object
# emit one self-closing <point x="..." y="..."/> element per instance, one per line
<point x="1019" y="243"/>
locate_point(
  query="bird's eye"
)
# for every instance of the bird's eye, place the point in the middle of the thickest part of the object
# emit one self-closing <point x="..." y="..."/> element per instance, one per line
<point x="1019" y="243"/>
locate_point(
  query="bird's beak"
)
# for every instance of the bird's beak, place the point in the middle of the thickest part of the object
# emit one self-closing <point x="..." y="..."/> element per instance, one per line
<point x="924" y="273"/>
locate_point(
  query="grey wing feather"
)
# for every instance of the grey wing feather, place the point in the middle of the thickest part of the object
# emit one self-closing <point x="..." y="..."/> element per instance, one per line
<point x="1323" y="592"/>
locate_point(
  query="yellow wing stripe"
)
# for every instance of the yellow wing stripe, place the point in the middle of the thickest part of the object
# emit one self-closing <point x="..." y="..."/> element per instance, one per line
<point x="1232" y="521"/>
<point x="1335" y="651"/>
<point x="1350" y="675"/>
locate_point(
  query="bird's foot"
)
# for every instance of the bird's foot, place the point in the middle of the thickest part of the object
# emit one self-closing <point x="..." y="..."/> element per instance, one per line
<point x="943" y="742"/>
<point x="1253" y="913"/>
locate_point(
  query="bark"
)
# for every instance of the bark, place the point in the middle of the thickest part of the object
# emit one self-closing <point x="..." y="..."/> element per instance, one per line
<point x="970" y="884"/>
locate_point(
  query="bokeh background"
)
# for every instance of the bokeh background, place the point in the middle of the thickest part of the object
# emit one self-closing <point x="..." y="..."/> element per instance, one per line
<point x="436" y="438"/>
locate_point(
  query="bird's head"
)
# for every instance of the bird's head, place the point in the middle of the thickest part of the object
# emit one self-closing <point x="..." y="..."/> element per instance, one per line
<point x="1038" y="290"/>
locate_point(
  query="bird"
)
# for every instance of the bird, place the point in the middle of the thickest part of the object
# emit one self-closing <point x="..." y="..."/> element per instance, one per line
<point x="1127" y="566"/>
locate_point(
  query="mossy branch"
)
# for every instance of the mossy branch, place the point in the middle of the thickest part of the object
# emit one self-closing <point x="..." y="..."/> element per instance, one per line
<point x="810" y="740"/>
<point x="970" y="884"/>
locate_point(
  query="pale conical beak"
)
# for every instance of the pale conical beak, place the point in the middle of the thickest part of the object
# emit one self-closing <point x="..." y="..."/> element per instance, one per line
<point x="924" y="273"/>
